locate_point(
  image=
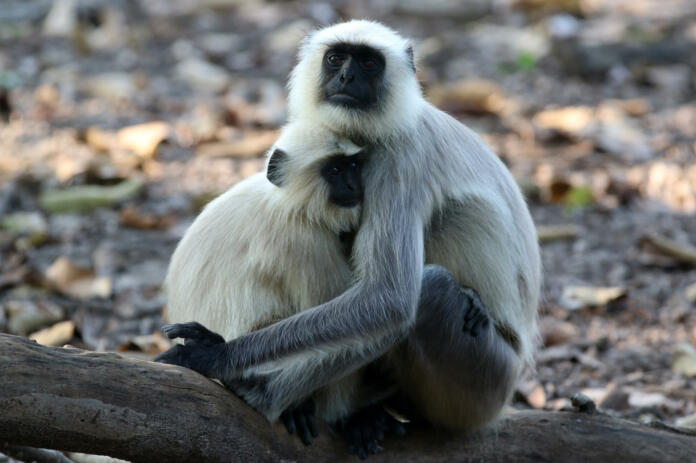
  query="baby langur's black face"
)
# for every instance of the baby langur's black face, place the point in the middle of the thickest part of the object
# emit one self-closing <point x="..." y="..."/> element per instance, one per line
<point x="343" y="175"/>
<point x="352" y="76"/>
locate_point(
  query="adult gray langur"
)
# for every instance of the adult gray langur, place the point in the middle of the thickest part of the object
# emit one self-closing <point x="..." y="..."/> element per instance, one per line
<point x="440" y="213"/>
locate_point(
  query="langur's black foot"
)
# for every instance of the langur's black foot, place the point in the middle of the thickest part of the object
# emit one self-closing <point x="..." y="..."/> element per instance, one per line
<point x="301" y="419"/>
<point x="476" y="318"/>
<point x="193" y="333"/>
<point x="364" y="430"/>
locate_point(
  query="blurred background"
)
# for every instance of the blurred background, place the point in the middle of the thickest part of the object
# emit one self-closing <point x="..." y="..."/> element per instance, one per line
<point x="120" y="119"/>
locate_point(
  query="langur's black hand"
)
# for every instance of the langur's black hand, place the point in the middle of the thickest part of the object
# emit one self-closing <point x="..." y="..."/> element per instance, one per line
<point x="476" y="318"/>
<point x="193" y="333"/>
<point x="301" y="419"/>
<point x="363" y="430"/>
<point x="202" y="351"/>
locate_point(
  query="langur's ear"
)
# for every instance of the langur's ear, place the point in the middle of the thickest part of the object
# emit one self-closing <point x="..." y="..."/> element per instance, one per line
<point x="411" y="59"/>
<point x="274" y="170"/>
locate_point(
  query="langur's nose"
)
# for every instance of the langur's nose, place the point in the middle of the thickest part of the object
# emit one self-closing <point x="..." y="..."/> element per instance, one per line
<point x="347" y="72"/>
<point x="352" y="183"/>
<point x="347" y="77"/>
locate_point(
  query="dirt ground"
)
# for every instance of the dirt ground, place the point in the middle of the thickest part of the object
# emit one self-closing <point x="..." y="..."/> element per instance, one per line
<point x="120" y="119"/>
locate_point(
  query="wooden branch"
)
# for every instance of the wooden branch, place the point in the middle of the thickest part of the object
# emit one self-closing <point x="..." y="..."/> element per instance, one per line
<point x="73" y="400"/>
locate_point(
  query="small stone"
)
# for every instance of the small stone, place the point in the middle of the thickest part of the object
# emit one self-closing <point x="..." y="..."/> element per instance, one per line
<point x="563" y="26"/>
<point x="690" y="293"/>
<point x="21" y="223"/>
<point x="617" y="399"/>
<point x="673" y="79"/>
<point x="583" y="403"/>
<point x="641" y="399"/>
<point x="25" y="316"/>
<point x="114" y="86"/>
<point x="451" y="9"/>
<point x="202" y="75"/>
<point x="684" y="359"/>
<point x="61" y="20"/>
<point x="218" y="44"/>
<point x="287" y="38"/>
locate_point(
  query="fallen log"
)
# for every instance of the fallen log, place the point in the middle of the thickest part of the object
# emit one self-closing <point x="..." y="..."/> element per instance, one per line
<point x="74" y="400"/>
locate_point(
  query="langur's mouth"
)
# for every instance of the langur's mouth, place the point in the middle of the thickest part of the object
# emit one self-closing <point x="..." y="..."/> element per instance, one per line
<point x="344" y="99"/>
<point x="346" y="203"/>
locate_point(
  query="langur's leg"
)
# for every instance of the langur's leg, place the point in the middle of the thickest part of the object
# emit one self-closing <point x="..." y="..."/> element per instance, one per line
<point x="457" y="367"/>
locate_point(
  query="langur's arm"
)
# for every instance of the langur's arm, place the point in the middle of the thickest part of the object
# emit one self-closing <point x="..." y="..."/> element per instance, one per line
<point x="381" y="305"/>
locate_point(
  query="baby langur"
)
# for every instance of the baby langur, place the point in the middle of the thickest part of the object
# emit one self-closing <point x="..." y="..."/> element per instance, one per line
<point x="273" y="245"/>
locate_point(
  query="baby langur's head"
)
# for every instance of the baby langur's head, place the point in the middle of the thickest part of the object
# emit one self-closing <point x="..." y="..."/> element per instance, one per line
<point x="319" y="174"/>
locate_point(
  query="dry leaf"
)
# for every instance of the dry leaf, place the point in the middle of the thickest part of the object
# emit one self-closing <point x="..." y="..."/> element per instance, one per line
<point x="252" y="144"/>
<point x="151" y="344"/>
<point x="470" y="95"/>
<point x="687" y="422"/>
<point x="578" y="297"/>
<point x="55" y="335"/>
<point x="132" y="217"/>
<point x="533" y="393"/>
<point x="143" y="139"/>
<point x="75" y="281"/>
<point x="572" y="121"/>
<point x="555" y="332"/>
<point x="99" y="139"/>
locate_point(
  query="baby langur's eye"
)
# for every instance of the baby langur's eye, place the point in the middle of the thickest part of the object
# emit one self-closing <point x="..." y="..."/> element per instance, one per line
<point x="354" y="165"/>
<point x="336" y="59"/>
<point x="334" y="171"/>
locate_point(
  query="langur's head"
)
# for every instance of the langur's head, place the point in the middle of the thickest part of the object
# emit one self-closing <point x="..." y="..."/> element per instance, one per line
<point x="358" y="78"/>
<point x="318" y="175"/>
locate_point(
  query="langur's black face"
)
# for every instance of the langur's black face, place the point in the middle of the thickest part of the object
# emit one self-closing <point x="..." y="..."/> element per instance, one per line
<point x="352" y="76"/>
<point x="343" y="174"/>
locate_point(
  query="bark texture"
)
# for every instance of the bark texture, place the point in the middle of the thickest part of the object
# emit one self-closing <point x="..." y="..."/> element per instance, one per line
<point x="141" y="411"/>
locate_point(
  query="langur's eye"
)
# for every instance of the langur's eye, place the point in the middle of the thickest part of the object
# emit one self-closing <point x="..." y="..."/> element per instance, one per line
<point x="354" y="165"/>
<point x="368" y="63"/>
<point x="335" y="59"/>
<point x="334" y="171"/>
